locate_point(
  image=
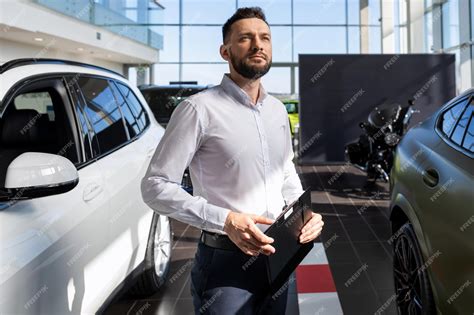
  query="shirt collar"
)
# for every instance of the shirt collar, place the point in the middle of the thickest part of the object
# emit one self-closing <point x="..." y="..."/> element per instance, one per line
<point x="240" y="95"/>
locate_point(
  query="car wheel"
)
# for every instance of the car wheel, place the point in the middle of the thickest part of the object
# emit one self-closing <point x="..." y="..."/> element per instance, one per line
<point x="412" y="286"/>
<point x="157" y="260"/>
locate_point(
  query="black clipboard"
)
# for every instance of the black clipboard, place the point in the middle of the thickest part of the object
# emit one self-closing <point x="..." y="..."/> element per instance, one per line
<point x="285" y="231"/>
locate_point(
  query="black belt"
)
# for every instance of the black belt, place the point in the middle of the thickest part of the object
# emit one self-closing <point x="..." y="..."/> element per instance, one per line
<point x="219" y="241"/>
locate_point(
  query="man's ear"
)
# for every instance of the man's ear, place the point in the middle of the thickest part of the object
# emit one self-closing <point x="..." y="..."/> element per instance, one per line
<point x="224" y="51"/>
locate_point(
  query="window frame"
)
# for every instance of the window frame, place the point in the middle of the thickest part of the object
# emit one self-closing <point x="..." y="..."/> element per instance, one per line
<point x="145" y="113"/>
<point x="64" y="94"/>
<point x="439" y="120"/>
<point x="115" y="148"/>
<point x="130" y="140"/>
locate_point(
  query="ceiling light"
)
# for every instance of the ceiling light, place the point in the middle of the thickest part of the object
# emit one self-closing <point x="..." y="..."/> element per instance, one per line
<point x="38" y="39"/>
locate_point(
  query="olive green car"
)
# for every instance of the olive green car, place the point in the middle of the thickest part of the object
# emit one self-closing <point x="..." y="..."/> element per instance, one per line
<point x="432" y="213"/>
<point x="292" y="109"/>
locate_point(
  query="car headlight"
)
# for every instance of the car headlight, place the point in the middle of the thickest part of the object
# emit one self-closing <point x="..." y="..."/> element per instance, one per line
<point x="392" y="139"/>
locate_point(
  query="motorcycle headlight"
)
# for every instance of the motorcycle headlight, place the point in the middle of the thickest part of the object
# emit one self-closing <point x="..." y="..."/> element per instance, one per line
<point x="392" y="139"/>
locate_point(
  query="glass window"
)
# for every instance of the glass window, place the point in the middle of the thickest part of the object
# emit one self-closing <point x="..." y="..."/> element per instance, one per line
<point x="130" y="122"/>
<point x="319" y="40"/>
<point x="207" y="11"/>
<point x="277" y="80"/>
<point x="170" y="51"/>
<point x="201" y="43"/>
<point x="164" y="73"/>
<point x="375" y="40"/>
<point x="171" y="11"/>
<point x="472" y="20"/>
<point x="400" y="26"/>
<point x="353" y="11"/>
<point x="451" y="116"/>
<point x="354" y="39"/>
<point x="468" y="142"/>
<point x="458" y="133"/>
<point x="204" y="74"/>
<point x="297" y="80"/>
<point x="84" y="127"/>
<point x="319" y="12"/>
<point x="281" y="43"/>
<point x="41" y="102"/>
<point x="135" y="106"/>
<point x="276" y="11"/>
<point x="450" y="23"/>
<point x="103" y="113"/>
<point x="428" y="44"/>
<point x="374" y="12"/>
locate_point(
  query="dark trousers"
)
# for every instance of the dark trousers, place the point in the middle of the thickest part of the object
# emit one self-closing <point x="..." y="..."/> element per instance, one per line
<point x="231" y="282"/>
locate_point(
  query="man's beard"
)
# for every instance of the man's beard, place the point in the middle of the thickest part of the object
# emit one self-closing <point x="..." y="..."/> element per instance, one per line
<point x="250" y="72"/>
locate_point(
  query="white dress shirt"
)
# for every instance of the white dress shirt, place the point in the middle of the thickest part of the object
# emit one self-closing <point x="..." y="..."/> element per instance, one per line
<point x="239" y="156"/>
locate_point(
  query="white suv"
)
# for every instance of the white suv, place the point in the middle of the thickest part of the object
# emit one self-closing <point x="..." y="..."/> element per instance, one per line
<point x="75" y="142"/>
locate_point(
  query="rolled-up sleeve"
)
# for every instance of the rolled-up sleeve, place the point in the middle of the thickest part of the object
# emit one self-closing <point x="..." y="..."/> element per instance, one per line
<point x="161" y="187"/>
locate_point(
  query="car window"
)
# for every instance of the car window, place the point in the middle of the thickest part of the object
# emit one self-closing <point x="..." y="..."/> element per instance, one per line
<point x="133" y="126"/>
<point x="36" y="120"/>
<point x="460" y="129"/>
<point x="450" y="117"/>
<point x="290" y="108"/>
<point x="103" y="113"/>
<point x="84" y="127"/>
<point x="136" y="107"/>
<point x="163" y="101"/>
<point x="468" y="142"/>
<point x="41" y="102"/>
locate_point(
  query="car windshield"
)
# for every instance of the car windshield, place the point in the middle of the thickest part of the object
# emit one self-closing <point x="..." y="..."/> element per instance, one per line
<point x="291" y="107"/>
<point x="163" y="101"/>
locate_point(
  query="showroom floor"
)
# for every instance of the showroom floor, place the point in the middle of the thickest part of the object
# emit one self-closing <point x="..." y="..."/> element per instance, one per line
<point x="348" y="271"/>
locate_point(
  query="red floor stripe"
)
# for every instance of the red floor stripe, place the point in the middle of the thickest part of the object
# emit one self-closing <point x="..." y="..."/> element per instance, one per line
<point x="314" y="279"/>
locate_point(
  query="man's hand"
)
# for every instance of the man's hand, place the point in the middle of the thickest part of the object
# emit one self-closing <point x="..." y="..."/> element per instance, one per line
<point x="241" y="229"/>
<point x="312" y="228"/>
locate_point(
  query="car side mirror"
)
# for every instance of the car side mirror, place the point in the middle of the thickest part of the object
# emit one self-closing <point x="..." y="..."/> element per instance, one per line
<point x="34" y="174"/>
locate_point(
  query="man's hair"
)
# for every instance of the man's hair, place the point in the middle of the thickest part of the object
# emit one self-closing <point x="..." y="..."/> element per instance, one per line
<point x="242" y="13"/>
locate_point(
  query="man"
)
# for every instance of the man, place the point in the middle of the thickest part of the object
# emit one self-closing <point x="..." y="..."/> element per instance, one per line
<point x="236" y="140"/>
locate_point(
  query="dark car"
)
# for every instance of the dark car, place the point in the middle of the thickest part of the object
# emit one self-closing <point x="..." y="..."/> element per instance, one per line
<point x="162" y="101"/>
<point x="432" y="212"/>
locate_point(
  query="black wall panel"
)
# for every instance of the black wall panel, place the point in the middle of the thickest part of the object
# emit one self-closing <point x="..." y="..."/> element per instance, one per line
<point x="338" y="91"/>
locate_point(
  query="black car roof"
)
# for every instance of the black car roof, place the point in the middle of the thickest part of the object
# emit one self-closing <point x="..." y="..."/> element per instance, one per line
<point x="30" y="61"/>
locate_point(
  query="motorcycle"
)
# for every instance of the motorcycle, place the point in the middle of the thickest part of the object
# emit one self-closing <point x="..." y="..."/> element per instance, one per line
<point x="385" y="127"/>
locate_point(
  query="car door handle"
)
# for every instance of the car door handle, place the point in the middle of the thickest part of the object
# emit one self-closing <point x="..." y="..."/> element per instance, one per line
<point x="430" y="177"/>
<point x="91" y="191"/>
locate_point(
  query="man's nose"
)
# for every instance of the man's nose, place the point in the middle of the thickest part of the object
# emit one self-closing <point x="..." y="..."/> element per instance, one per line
<point x="257" y="44"/>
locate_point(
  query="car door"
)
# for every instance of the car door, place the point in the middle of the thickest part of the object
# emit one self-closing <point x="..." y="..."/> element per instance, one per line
<point x="123" y="156"/>
<point x="444" y="197"/>
<point x="51" y="246"/>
